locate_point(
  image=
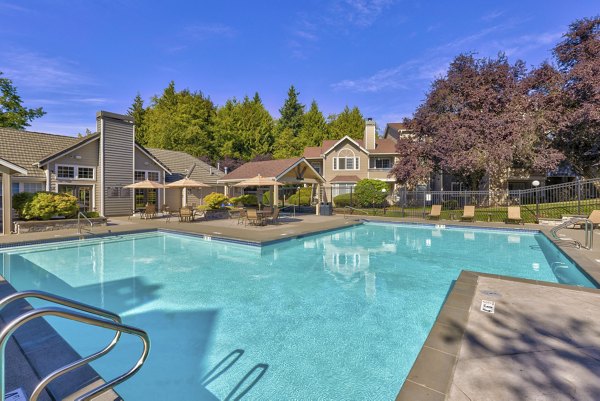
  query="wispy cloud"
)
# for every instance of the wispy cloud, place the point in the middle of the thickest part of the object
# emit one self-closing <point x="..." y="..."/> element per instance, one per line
<point x="195" y="33"/>
<point x="434" y="62"/>
<point x="492" y="15"/>
<point x="34" y="70"/>
<point x="337" y="17"/>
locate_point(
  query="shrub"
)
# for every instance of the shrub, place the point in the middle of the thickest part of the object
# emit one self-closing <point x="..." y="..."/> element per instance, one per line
<point x="214" y="200"/>
<point x="266" y="198"/>
<point x="92" y="215"/>
<point x="304" y="194"/>
<point x="246" y="200"/>
<point x="45" y="205"/>
<point x="20" y="200"/>
<point x="368" y="193"/>
<point x="342" y="200"/>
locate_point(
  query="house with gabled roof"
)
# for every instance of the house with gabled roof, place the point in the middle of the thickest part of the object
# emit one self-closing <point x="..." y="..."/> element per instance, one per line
<point x="97" y="168"/>
<point x="344" y="162"/>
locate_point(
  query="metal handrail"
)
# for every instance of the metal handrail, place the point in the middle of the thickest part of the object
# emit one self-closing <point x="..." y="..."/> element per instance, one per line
<point x="288" y="206"/>
<point x="589" y="231"/>
<point x="115" y="325"/>
<point x="79" y="215"/>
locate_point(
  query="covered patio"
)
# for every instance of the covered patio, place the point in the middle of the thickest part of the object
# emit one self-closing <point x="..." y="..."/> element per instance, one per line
<point x="7" y="170"/>
<point x="296" y="172"/>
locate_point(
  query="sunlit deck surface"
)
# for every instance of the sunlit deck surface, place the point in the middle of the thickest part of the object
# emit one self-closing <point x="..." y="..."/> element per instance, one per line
<point x="542" y="342"/>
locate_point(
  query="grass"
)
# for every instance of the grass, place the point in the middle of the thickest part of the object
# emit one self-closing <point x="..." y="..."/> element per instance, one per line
<point x="554" y="210"/>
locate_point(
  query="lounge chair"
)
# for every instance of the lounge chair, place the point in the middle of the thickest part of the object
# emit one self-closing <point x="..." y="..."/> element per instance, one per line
<point x="273" y="218"/>
<point x="514" y="215"/>
<point x="594" y="217"/>
<point x="436" y="212"/>
<point x="468" y="213"/>
<point x="186" y="214"/>
<point x="252" y="217"/>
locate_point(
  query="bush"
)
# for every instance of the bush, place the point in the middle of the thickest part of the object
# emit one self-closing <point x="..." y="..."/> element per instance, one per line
<point x="214" y="200"/>
<point x="20" y="200"/>
<point x="304" y="193"/>
<point x="369" y="193"/>
<point x="342" y="200"/>
<point x="246" y="200"/>
<point x="92" y="215"/>
<point x="45" y="205"/>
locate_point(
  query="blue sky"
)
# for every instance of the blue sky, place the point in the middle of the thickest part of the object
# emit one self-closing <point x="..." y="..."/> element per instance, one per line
<point x="76" y="57"/>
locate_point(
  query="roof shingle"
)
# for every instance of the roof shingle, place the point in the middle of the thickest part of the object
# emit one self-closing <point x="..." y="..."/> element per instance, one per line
<point x="268" y="168"/>
<point x="179" y="162"/>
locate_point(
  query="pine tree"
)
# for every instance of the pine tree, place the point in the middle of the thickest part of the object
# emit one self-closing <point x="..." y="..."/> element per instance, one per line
<point x="287" y="132"/>
<point x="314" y="127"/>
<point x="349" y="122"/>
<point x="137" y="111"/>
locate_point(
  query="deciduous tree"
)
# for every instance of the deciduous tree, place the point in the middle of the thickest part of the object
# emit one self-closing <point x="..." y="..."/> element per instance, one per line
<point x="12" y="112"/>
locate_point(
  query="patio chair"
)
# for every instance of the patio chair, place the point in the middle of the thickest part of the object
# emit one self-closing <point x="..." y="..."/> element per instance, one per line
<point x="165" y="211"/>
<point x="186" y="214"/>
<point x="253" y="218"/>
<point x="242" y="216"/>
<point x="514" y="215"/>
<point x="150" y="211"/>
<point x="468" y="213"/>
<point x="436" y="212"/>
<point x="594" y="217"/>
<point x="273" y="218"/>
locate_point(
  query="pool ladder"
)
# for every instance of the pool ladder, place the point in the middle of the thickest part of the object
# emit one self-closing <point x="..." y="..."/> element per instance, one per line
<point x="91" y="316"/>
<point x="589" y="231"/>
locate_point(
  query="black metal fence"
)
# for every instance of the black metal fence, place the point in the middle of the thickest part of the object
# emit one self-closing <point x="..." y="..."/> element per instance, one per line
<point x="548" y="202"/>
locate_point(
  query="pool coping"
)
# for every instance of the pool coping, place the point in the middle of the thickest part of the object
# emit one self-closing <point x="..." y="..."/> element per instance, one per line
<point x="432" y="372"/>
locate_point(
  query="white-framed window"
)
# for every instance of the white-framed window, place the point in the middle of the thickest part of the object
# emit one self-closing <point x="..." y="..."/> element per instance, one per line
<point x="141" y="175"/>
<point x="341" y="188"/>
<point x="380" y="163"/>
<point x="67" y="172"/>
<point x="346" y="160"/>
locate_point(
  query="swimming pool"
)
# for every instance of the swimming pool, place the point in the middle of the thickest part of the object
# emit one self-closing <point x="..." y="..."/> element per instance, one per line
<point x="339" y="315"/>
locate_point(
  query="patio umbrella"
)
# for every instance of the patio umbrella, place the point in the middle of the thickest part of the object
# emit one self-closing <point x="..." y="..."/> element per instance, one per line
<point x="187" y="183"/>
<point x="184" y="184"/>
<point x="146" y="184"/>
<point x="259" y="181"/>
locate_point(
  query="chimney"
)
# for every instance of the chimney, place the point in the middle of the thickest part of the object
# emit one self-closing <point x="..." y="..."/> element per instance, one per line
<point x="226" y="170"/>
<point x="370" y="134"/>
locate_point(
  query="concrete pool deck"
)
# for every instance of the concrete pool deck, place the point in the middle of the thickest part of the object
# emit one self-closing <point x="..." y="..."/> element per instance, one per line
<point x="542" y="342"/>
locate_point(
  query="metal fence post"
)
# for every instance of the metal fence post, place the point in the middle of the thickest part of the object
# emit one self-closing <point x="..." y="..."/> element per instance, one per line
<point x="578" y="196"/>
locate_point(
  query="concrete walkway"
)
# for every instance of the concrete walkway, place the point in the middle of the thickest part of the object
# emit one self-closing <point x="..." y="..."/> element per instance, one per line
<point x="541" y="343"/>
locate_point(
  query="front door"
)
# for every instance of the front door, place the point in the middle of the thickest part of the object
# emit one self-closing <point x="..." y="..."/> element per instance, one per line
<point x="83" y="193"/>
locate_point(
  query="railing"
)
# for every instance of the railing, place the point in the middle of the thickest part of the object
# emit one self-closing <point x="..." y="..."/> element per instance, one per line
<point x="589" y="231"/>
<point x="106" y="319"/>
<point x="79" y="227"/>
<point x="578" y="197"/>
<point x="350" y="210"/>
<point x="292" y="207"/>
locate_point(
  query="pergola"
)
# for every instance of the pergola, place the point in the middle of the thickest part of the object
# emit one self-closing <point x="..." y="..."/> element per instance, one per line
<point x="288" y="171"/>
<point x="8" y="169"/>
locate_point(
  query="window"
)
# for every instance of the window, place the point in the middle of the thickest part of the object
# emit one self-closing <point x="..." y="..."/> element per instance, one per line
<point x="317" y="167"/>
<point x="75" y="172"/>
<point x="345" y="163"/>
<point x="380" y="163"/>
<point x="15" y="188"/>
<point x="346" y="160"/>
<point x="339" y="189"/>
<point x="141" y="175"/>
<point x="65" y="172"/>
<point x="86" y="173"/>
<point x="33" y="187"/>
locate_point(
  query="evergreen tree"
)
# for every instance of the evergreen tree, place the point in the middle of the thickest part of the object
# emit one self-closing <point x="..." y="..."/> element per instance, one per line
<point x="287" y="132"/>
<point x="12" y="112"/>
<point x="137" y="111"/>
<point x="349" y="122"/>
<point x="314" y="127"/>
<point x="180" y="121"/>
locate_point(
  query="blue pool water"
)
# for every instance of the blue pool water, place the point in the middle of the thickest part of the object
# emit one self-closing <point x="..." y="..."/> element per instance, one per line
<point x="341" y="315"/>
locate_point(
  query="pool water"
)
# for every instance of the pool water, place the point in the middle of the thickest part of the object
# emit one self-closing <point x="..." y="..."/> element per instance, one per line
<point x="340" y="315"/>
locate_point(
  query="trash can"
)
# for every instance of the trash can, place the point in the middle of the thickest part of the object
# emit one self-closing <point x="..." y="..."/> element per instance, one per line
<point x="325" y="209"/>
